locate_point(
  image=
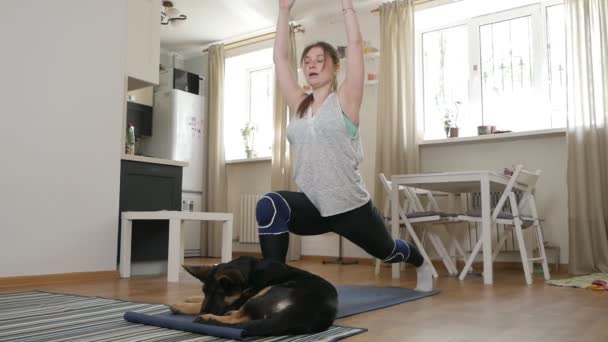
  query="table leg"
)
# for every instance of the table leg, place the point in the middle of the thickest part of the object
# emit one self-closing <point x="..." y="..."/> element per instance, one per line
<point x="125" y="248"/>
<point x="452" y="251"/>
<point x="175" y="244"/>
<point x="486" y="233"/>
<point x="227" y="241"/>
<point x="395" y="223"/>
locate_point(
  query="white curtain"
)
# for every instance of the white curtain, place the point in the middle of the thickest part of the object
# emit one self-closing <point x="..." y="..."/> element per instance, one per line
<point x="587" y="46"/>
<point x="216" y="167"/>
<point x="281" y="177"/>
<point x="397" y="136"/>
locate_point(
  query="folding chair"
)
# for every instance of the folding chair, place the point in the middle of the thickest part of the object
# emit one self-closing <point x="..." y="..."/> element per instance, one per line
<point x="386" y="215"/>
<point x="515" y="220"/>
<point x="429" y="216"/>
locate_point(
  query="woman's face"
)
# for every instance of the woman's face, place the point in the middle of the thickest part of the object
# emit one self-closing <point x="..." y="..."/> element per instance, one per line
<point x="319" y="70"/>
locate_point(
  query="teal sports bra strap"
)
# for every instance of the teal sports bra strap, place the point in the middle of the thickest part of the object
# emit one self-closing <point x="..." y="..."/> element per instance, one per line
<point x="350" y="127"/>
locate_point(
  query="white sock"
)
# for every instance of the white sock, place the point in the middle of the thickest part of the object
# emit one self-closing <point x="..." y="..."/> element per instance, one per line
<point x="425" y="277"/>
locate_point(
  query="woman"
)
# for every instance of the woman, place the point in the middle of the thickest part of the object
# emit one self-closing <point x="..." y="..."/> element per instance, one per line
<point x="327" y="148"/>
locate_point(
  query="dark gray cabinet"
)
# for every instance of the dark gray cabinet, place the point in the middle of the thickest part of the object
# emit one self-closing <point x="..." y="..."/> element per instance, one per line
<point x="149" y="187"/>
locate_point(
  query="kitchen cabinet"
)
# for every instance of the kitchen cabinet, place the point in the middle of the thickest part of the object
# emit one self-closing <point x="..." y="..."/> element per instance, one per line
<point x="149" y="187"/>
<point x="143" y="51"/>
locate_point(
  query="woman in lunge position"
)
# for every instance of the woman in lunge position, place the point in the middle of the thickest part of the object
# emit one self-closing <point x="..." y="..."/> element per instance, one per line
<point x="325" y="135"/>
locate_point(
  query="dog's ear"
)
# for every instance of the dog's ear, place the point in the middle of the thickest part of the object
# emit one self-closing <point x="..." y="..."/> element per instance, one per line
<point x="226" y="283"/>
<point x="231" y="280"/>
<point x="200" y="272"/>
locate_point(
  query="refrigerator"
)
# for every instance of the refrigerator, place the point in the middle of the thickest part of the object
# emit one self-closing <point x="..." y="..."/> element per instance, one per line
<point x="179" y="133"/>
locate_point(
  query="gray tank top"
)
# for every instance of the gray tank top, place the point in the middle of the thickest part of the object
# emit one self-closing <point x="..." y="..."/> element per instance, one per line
<point x="326" y="161"/>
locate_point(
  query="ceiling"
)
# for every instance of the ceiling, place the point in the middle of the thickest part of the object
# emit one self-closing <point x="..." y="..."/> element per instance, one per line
<point x="213" y="20"/>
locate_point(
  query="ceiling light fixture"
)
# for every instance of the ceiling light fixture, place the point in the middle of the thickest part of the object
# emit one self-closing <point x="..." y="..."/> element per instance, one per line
<point x="171" y="15"/>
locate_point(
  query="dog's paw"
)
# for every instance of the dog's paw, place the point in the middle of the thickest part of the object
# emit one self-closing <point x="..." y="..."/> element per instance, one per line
<point x="174" y="309"/>
<point x="204" y="318"/>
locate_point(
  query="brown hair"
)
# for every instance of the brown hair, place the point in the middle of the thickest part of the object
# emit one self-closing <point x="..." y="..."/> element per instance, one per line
<point x="330" y="52"/>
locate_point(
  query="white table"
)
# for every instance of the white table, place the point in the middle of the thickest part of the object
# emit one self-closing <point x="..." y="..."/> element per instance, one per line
<point x="483" y="181"/>
<point x="176" y="237"/>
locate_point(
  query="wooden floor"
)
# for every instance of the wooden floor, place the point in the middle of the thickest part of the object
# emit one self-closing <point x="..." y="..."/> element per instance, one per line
<point x="463" y="311"/>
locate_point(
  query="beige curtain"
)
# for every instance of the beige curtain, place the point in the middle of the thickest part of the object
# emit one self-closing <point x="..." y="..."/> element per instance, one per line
<point x="587" y="46"/>
<point x="281" y="177"/>
<point x="396" y="137"/>
<point x="216" y="166"/>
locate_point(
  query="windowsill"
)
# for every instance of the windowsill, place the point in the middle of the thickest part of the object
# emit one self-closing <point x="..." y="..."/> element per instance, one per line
<point x="496" y="137"/>
<point x="248" y="160"/>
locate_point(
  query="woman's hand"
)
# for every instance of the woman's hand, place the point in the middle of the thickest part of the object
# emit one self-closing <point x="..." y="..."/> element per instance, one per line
<point x="286" y="4"/>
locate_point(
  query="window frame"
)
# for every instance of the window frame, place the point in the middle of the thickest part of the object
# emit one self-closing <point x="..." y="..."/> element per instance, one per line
<point x="249" y="71"/>
<point x="540" y="72"/>
<point x="419" y="74"/>
<point x="236" y="52"/>
<point x="248" y="88"/>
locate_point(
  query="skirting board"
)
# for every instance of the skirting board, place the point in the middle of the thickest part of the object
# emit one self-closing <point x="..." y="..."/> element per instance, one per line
<point x="57" y="278"/>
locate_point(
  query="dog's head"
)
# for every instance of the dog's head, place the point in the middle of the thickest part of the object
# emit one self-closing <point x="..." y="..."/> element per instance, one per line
<point x="224" y="285"/>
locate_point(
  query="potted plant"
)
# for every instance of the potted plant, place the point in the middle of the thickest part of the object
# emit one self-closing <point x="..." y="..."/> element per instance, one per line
<point x="454" y="129"/>
<point x="247" y="133"/>
<point x="450" y="121"/>
<point x="447" y="122"/>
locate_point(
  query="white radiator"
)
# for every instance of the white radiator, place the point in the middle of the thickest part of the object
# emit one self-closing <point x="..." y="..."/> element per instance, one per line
<point x="248" y="226"/>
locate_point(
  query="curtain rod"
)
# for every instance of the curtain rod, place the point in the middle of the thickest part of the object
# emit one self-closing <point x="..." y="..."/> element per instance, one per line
<point x="424" y="2"/>
<point x="254" y="39"/>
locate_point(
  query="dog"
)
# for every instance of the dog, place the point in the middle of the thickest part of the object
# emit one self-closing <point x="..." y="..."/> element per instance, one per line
<point x="262" y="297"/>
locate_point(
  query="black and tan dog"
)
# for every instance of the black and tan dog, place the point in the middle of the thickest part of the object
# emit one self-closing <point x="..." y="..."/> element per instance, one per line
<point x="262" y="297"/>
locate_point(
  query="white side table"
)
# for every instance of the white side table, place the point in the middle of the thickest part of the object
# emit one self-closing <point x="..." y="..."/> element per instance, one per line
<point x="176" y="237"/>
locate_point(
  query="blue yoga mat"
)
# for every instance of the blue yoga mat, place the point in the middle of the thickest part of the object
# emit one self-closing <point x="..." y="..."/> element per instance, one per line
<point x="352" y="300"/>
<point x="355" y="299"/>
<point x="183" y="323"/>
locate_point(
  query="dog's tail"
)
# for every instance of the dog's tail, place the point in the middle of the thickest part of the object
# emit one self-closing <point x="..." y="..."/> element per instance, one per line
<point x="276" y="326"/>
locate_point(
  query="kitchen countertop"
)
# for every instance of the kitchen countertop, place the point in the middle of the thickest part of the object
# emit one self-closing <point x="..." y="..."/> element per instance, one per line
<point x="144" y="159"/>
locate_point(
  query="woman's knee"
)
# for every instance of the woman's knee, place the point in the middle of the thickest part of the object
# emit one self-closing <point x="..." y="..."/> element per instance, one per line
<point x="272" y="214"/>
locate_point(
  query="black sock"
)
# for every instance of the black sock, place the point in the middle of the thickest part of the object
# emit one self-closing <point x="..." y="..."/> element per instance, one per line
<point x="274" y="247"/>
<point x="415" y="258"/>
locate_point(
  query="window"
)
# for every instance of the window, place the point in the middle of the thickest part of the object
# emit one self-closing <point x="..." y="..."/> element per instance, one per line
<point x="556" y="64"/>
<point x="507" y="92"/>
<point x="445" y="72"/>
<point x="504" y="69"/>
<point x="249" y="105"/>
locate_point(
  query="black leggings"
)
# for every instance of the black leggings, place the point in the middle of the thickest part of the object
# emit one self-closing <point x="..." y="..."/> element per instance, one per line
<point x="362" y="226"/>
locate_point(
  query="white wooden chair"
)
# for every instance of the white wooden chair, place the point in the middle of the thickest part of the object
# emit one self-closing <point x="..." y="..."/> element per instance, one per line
<point x="515" y="220"/>
<point x="386" y="215"/>
<point x="428" y="216"/>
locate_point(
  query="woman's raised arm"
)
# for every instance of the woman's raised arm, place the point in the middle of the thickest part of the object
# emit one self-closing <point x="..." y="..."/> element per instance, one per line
<point x="287" y="82"/>
<point x="351" y="91"/>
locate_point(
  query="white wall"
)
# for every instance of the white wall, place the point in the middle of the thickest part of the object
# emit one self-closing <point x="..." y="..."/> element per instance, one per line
<point x="547" y="152"/>
<point x="252" y="177"/>
<point x="62" y="97"/>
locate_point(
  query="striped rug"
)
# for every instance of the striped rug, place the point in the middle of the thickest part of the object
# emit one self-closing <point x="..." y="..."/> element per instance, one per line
<point x="43" y="316"/>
